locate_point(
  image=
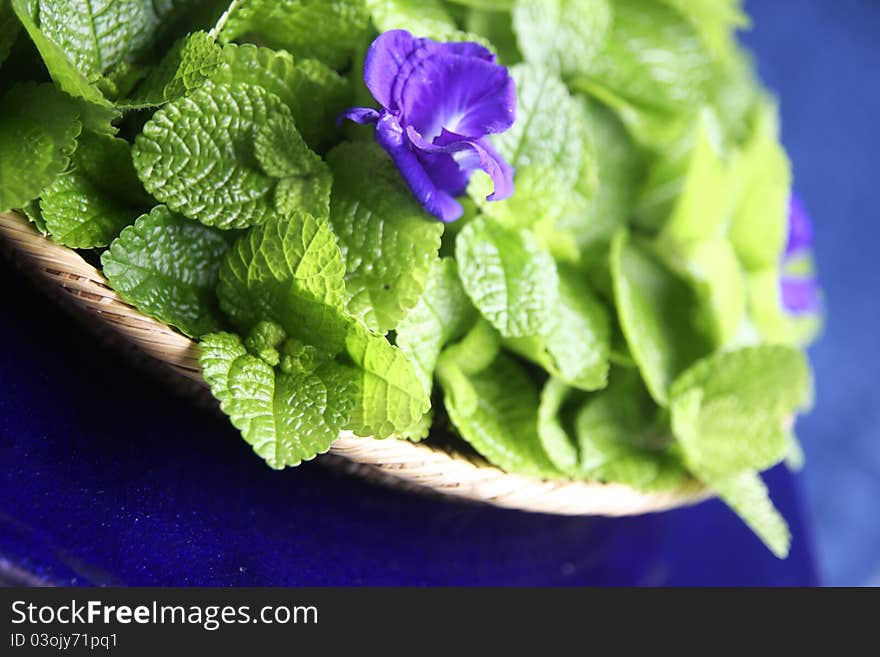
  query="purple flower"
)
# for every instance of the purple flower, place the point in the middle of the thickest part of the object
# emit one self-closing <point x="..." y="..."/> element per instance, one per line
<point x="800" y="290"/>
<point x="439" y="102"/>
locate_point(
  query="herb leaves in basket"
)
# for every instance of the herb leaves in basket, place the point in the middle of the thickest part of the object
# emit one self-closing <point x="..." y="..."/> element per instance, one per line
<point x="566" y="227"/>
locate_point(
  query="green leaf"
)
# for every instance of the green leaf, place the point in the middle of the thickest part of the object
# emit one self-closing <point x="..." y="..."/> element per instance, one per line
<point x="563" y="35"/>
<point x="511" y="281"/>
<point x="575" y="344"/>
<point x="442" y="314"/>
<point x="545" y="146"/>
<point x="89" y="205"/>
<point x="304" y="181"/>
<point x="189" y="64"/>
<point x="609" y="194"/>
<point x="196" y="155"/>
<point x="759" y="226"/>
<point x="716" y="21"/>
<point x="167" y="267"/>
<point x="96" y="36"/>
<point x="307" y="28"/>
<point x="747" y="495"/>
<point x="496" y="411"/>
<point x="392" y="398"/>
<point x="556" y="439"/>
<point x="9" y="28"/>
<point x="286" y="418"/>
<point x="315" y="93"/>
<point x="653" y="58"/>
<point x="730" y="410"/>
<point x="38" y="130"/>
<point x="497" y="28"/>
<point x="388" y="242"/>
<point x="289" y="271"/>
<point x="620" y="439"/>
<point x="658" y="313"/>
<point x="422" y="18"/>
<point x="96" y="111"/>
<point x="32" y="211"/>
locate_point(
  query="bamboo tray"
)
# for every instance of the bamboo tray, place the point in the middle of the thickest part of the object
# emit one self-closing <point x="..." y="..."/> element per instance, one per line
<point x="82" y="289"/>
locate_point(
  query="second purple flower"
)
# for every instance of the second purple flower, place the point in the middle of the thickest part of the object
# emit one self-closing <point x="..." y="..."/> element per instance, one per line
<point x="439" y="102"/>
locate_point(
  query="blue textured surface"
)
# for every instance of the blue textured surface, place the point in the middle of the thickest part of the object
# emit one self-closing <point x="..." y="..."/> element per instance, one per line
<point x="178" y="499"/>
<point x="823" y="59"/>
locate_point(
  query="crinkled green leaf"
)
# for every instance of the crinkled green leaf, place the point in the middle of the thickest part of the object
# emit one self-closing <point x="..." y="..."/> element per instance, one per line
<point x="716" y="21"/>
<point x="304" y="180"/>
<point x="545" y="146"/>
<point x="747" y="495"/>
<point x="196" y="155"/>
<point x="96" y="35"/>
<point x="315" y="93"/>
<point x="96" y="111"/>
<point x="167" y="267"/>
<point x="512" y="282"/>
<point x="442" y="314"/>
<point x="286" y="418"/>
<point x="307" y="28"/>
<point x="32" y="211"/>
<point x="609" y="194"/>
<point x="555" y="437"/>
<point x="659" y="314"/>
<point x="388" y="242"/>
<point x="563" y="35"/>
<point x="189" y="64"/>
<point x="496" y="411"/>
<point x="89" y="205"/>
<point x="730" y="410"/>
<point x="574" y="345"/>
<point x="287" y="270"/>
<point x="620" y="439"/>
<point x="759" y="226"/>
<point x="38" y="130"/>
<point x="391" y="398"/>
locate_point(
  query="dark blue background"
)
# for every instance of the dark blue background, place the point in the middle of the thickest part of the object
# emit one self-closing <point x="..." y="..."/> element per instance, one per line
<point x="823" y="59"/>
<point x="176" y="497"/>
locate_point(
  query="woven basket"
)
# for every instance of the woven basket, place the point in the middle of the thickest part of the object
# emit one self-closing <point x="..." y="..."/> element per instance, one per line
<point x="64" y="274"/>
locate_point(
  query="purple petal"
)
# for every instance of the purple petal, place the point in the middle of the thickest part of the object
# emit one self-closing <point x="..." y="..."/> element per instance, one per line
<point x="465" y="95"/>
<point x="362" y="115"/>
<point x="437" y="201"/>
<point x="471" y="155"/>
<point x="800" y="228"/>
<point x="468" y="49"/>
<point x="383" y="62"/>
<point x="800" y="295"/>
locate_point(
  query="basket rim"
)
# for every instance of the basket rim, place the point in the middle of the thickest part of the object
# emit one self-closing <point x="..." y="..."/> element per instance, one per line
<point x="421" y="466"/>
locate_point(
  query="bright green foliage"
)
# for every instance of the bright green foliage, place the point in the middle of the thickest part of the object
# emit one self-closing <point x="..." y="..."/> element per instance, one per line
<point x="325" y="30"/>
<point x="167" y="267"/>
<point x="575" y="344"/>
<point x="658" y="313"/>
<point x="563" y="35"/>
<point x="89" y="205"/>
<point x="289" y="271"/>
<point x="763" y="174"/>
<point x="716" y="21"/>
<point x="496" y="411"/>
<point x="286" y="418"/>
<point x="545" y="146"/>
<point x="772" y="322"/>
<point x="442" y="314"/>
<point x="315" y="93"/>
<point x="303" y="178"/>
<point x="747" y="495"/>
<point x="196" y="155"/>
<point x="391" y="397"/>
<point x="510" y="279"/>
<point x="553" y="420"/>
<point x="388" y="242"/>
<point x="38" y="130"/>
<point x="620" y="438"/>
<point x="189" y="64"/>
